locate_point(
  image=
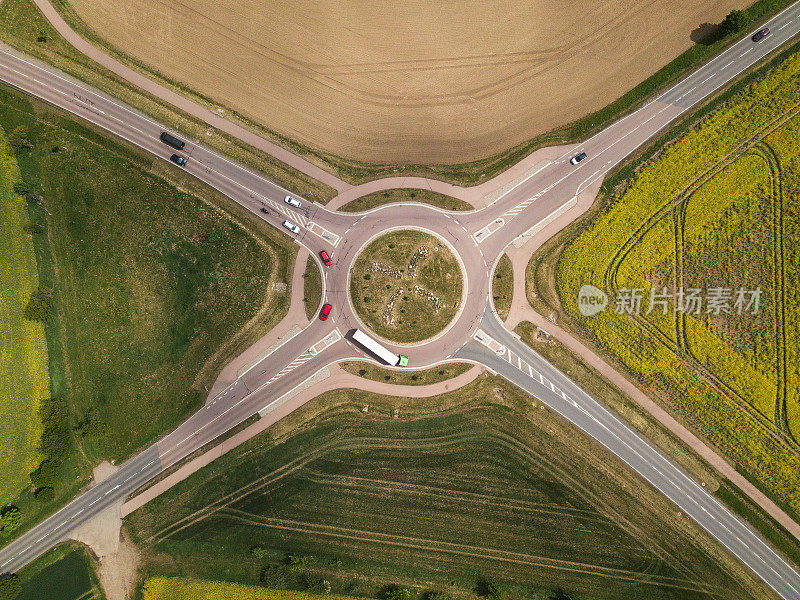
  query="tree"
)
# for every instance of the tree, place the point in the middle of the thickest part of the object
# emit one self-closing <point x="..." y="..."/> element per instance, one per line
<point x="20" y="138"/>
<point x="296" y="563"/>
<point x="395" y="592"/>
<point x="21" y="188"/>
<point x="10" y="518"/>
<point x="735" y="21"/>
<point x="44" y="494"/>
<point x="436" y="595"/>
<point x="40" y="305"/>
<point x="274" y="576"/>
<point x="489" y="589"/>
<point x="10" y="586"/>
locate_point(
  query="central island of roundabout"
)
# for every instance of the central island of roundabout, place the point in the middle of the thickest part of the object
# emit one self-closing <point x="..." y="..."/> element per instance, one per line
<point x="407" y="286"/>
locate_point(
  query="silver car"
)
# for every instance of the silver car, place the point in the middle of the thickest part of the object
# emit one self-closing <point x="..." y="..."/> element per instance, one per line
<point x="291" y="227"/>
<point x="292" y="201"/>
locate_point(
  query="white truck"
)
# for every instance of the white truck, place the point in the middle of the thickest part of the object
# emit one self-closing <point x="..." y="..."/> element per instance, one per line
<point x="396" y="360"/>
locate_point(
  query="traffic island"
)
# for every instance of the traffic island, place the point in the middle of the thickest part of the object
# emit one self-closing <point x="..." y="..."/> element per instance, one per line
<point x="406" y="286"/>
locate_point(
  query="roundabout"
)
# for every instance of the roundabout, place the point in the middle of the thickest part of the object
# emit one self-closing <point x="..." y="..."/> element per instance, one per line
<point x="406" y="286"/>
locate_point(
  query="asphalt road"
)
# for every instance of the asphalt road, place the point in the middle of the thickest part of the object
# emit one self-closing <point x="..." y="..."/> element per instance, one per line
<point x="478" y="238"/>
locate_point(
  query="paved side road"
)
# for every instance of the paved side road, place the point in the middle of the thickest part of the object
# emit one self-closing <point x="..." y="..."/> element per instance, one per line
<point x="498" y="349"/>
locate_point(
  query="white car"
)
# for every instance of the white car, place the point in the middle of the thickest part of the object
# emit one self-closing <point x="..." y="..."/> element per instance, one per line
<point x="292" y="201"/>
<point x="291" y="227"/>
<point x="577" y="158"/>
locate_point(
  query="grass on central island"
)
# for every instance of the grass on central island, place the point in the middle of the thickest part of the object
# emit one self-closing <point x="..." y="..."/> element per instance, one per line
<point x="448" y="493"/>
<point x="406" y="286"/>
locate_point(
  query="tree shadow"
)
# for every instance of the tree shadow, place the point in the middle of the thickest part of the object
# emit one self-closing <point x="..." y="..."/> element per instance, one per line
<point x="705" y="34"/>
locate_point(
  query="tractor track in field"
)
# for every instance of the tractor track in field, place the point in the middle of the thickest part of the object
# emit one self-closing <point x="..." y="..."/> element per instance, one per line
<point x="679" y="347"/>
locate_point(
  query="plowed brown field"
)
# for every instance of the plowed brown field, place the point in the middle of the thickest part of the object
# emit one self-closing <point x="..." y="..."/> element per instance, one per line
<point x="413" y="81"/>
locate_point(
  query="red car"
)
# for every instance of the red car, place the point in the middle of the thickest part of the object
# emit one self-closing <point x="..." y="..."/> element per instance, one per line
<point x="760" y="35"/>
<point x="326" y="258"/>
<point x="326" y="310"/>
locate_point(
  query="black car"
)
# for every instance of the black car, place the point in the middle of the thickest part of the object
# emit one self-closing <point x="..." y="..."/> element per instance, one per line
<point x="760" y="35"/>
<point x="171" y="140"/>
<point x="264" y="210"/>
<point x="178" y="160"/>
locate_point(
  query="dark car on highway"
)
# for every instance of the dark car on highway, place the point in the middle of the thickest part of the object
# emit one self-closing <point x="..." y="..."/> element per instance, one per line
<point x="326" y="258"/>
<point x="178" y="160"/>
<point x="326" y="310"/>
<point x="264" y="210"/>
<point x="760" y="35"/>
<point x="171" y="140"/>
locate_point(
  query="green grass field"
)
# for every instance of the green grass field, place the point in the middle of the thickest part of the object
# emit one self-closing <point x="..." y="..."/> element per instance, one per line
<point x="406" y="286"/>
<point x="503" y="286"/>
<point x="433" y="493"/>
<point x="405" y="195"/>
<point x="174" y="588"/>
<point x="66" y="573"/>
<point x="404" y="376"/>
<point x="714" y="210"/>
<point x="312" y="288"/>
<point x="158" y="282"/>
<point x="24" y="379"/>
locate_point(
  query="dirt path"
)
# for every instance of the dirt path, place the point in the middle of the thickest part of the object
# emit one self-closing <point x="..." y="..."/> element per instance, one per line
<point x="118" y="558"/>
<point x="522" y="311"/>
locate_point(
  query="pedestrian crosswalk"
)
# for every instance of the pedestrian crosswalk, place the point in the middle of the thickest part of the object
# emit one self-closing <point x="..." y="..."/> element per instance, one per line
<point x="300" y="218"/>
<point x="483" y="233"/>
<point x="306" y="356"/>
<point x="516" y="361"/>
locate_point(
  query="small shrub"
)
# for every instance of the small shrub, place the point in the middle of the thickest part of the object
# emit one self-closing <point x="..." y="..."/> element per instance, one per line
<point x="367" y="276"/>
<point x="274" y="576"/>
<point x="395" y="592"/>
<point x="10" y="518"/>
<point x="296" y="563"/>
<point x="10" y="586"/>
<point x="44" y="494"/>
<point x="21" y="187"/>
<point x="40" y="306"/>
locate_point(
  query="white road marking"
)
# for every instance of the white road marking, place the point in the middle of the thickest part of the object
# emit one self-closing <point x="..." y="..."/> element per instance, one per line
<point x="726" y="66"/>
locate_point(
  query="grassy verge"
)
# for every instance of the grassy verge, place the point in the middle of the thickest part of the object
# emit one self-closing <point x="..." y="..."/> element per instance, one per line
<point x="598" y="386"/>
<point x="406" y="286"/>
<point x="21" y="24"/>
<point x="24" y="381"/>
<point x="151" y="270"/>
<point x="503" y="287"/>
<point x="405" y="195"/>
<point x="174" y="588"/>
<point x="65" y="573"/>
<point x="475" y="172"/>
<point x="434" y="493"/>
<point x="426" y="377"/>
<point x="312" y="288"/>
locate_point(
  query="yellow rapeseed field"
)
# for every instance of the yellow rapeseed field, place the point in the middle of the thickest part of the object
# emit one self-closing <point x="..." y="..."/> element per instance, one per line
<point x="176" y="588"/>
<point x="734" y="378"/>
<point x="24" y="378"/>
